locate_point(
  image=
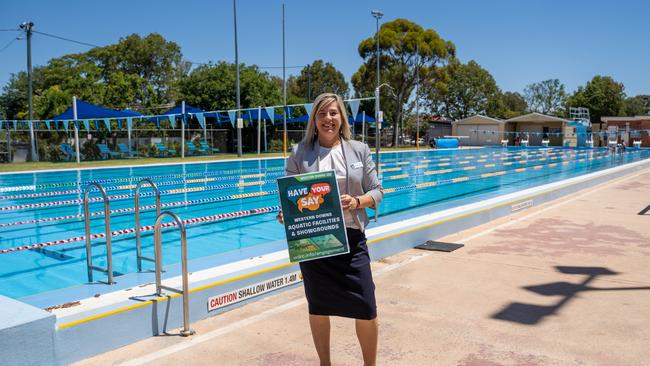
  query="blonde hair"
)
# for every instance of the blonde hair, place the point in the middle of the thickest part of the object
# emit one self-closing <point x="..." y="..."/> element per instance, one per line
<point x="321" y="102"/>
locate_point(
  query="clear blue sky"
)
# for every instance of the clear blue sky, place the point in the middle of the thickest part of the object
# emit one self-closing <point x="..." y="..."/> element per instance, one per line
<point x="519" y="42"/>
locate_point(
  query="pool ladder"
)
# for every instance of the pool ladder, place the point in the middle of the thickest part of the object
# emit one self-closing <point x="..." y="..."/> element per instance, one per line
<point x="138" y="247"/>
<point x="158" y="260"/>
<point x="107" y="222"/>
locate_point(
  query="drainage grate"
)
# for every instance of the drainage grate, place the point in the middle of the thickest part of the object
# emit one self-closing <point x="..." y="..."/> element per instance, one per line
<point x="439" y="246"/>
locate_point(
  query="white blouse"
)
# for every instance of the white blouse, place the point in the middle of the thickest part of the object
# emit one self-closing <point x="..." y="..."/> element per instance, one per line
<point x="332" y="159"/>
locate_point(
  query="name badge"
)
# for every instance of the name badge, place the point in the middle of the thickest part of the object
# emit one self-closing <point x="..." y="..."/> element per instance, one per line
<point x="357" y="165"/>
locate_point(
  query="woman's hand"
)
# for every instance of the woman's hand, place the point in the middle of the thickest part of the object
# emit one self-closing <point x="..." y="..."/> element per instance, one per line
<point x="348" y="202"/>
<point x="280" y="217"/>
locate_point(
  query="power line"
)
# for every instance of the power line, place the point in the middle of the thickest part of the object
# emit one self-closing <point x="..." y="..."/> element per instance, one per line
<point x="67" y="39"/>
<point x="9" y="30"/>
<point x="8" y="44"/>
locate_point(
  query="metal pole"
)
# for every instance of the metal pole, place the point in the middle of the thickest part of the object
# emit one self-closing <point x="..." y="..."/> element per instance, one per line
<point x="183" y="130"/>
<point x="108" y="234"/>
<point x="377" y="128"/>
<point x="186" y="287"/>
<point x="158" y="259"/>
<point x="308" y="83"/>
<point x="377" y="14"/>
<point x="8" y="143"/>
<point x="129" y="135"/>
<point x="239" y="122"/>
<point x="259" y="129"/>
<point x="27" y="26"/>
<point x="284" y="90"/>
<point x="417" y="98"/>
<point x="76" y="129"/>
<point x="363" y="126"/>
<point x="264" y="128"/>
<point x="138" y="246"/>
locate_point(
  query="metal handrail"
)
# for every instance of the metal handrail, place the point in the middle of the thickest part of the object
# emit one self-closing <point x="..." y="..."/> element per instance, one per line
<point x="138" y="248"/>
<point x="158" y="259"/>
<point x="107" y="222"/>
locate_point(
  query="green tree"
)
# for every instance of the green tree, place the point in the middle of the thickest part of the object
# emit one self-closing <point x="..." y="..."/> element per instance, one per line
<point x="515" y="105"/>
<point x="471" y="90"/>
<point x="151" y="58"/>
<point x="547" y="97"/>
<point x="637" y="106"/>
<point x="319" y="77"/>
<point x="404" y="47"/>
<point x="137" y="72"/>
<point x="212" y="87"/>
<point x="13" y="101"/>
<point x="602" y="95"/>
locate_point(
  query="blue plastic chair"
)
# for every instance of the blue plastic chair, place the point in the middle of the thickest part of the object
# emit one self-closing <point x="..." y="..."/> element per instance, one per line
<point x="126" y="152"/>
<point x="207" y="148"/>
<point x="68" y="152"/>
<point x="163" y="150"/>
<point x="106" y="152"/>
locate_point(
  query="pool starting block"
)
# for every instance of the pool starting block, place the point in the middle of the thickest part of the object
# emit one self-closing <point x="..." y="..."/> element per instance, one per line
<point x="523" y="143"/>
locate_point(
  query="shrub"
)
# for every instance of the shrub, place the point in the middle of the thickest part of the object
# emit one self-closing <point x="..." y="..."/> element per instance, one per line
<point x="277" y="145"/>
<point x="90" y="151"/>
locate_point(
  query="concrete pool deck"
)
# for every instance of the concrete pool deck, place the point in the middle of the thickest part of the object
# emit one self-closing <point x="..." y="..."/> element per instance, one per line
<point x="564" y="283"/>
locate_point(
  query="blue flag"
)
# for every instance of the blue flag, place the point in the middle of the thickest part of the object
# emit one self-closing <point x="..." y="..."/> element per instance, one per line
<point x="270" y="111"/>
<point x="308" y="108"/>
<point x="201" y="118"/>
<point x="232" y="115"/>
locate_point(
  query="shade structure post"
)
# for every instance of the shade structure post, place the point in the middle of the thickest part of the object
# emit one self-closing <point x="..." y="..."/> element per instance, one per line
<point x="128" y="136"/>
<point x="183" y="130"/>
<point x="259" y="129"/>
<point x="205" y="129"/>
<point x="363" y="126"/>
<point x="264" y="130"/>
<point x="32" y="140"/>
<point x="76" y="129"/>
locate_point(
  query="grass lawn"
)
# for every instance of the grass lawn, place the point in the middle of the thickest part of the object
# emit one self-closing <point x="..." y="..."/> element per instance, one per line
<point x="35" y="166"/>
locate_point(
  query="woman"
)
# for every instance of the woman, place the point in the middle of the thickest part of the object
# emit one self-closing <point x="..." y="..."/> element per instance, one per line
<point x="340" y="285"/>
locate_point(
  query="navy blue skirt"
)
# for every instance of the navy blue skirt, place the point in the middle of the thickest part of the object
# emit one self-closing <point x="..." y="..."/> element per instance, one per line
<point x="342" y="285"/>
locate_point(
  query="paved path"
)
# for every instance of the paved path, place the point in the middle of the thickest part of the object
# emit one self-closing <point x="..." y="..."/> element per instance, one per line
<point x="566" y="283"/>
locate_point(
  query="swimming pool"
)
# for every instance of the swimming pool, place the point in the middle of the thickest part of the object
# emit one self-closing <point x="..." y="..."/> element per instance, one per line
<point x="230" y="206"/>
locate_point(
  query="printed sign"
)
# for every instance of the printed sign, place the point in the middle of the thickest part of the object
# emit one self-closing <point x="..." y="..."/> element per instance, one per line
<point x="521" y="205"/>
<point x="235" y="296"/>
<point x="313" y="217"/>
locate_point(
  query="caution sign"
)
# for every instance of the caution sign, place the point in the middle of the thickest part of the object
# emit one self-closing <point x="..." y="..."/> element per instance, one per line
<point x="235" y="296"/>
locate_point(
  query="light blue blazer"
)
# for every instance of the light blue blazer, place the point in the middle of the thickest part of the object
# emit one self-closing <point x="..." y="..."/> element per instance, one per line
<point x="360" y="171"/>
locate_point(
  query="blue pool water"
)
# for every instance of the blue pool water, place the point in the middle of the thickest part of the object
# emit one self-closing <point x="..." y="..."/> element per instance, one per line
<point x="45" y="208"/>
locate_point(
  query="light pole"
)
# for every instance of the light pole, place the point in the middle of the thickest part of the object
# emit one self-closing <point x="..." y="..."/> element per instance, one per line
<point x="377" y="14"/>
<point x="417" y="98"/>
<point x="284" y="91"/>
<point x="27" y="27"/>
<point x="239" y="120"/>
